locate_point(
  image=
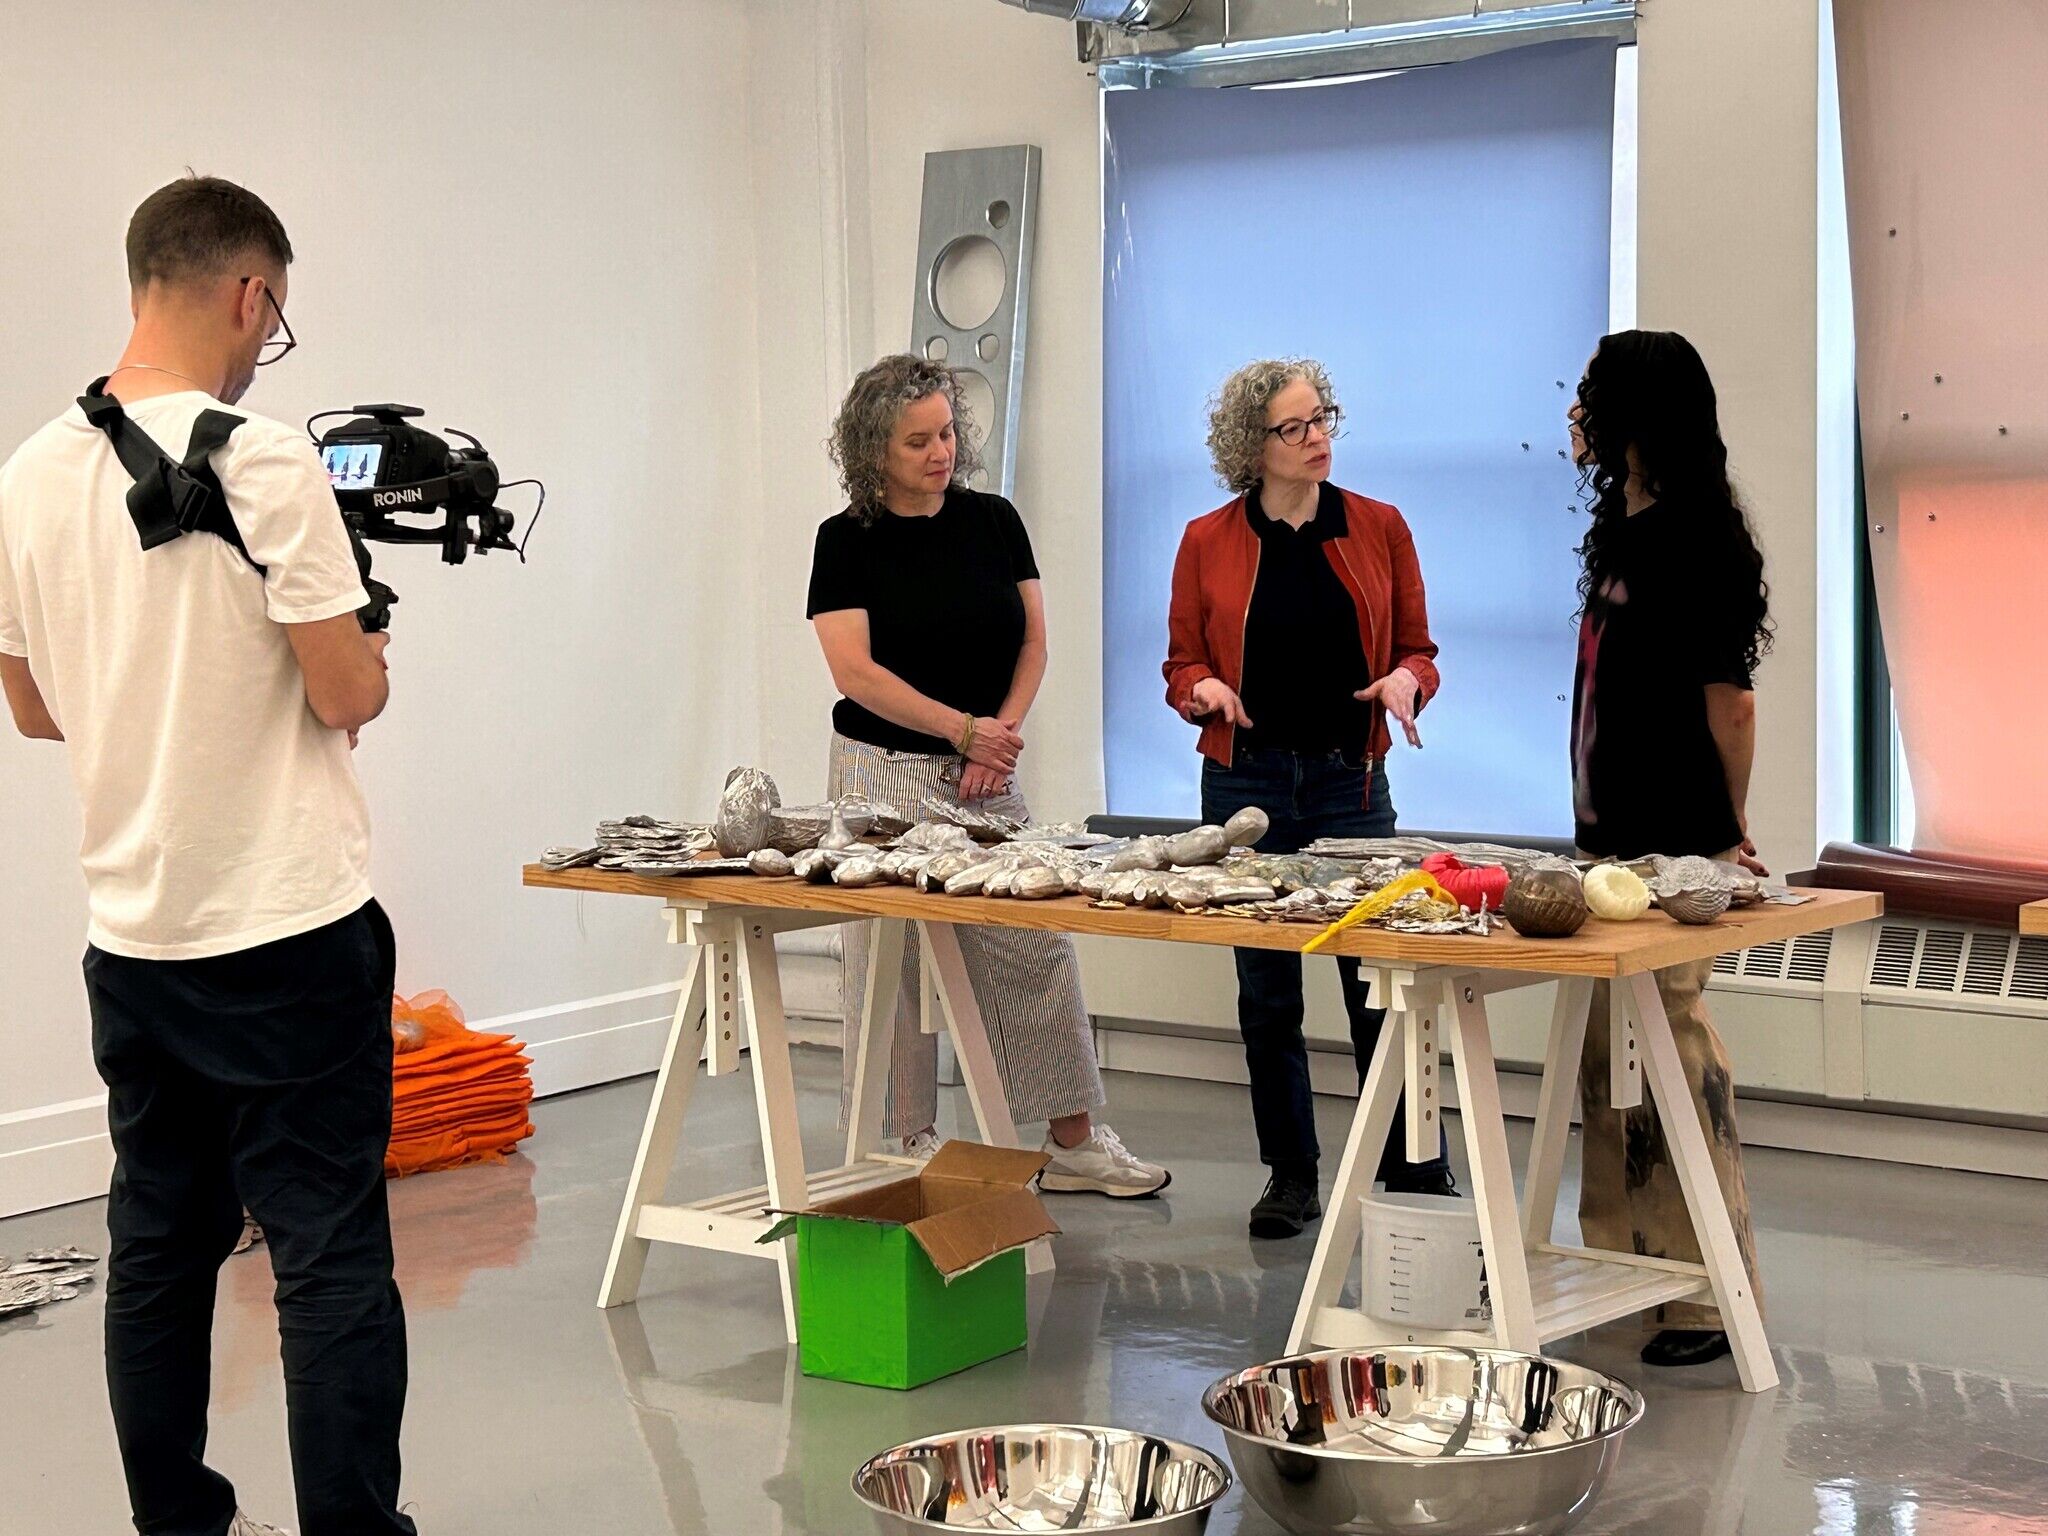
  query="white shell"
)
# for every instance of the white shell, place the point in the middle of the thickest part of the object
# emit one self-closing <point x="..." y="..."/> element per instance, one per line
<point x="1616" y="894"/>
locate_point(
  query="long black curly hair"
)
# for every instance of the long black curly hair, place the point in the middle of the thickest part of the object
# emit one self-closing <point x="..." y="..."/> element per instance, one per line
<point x="1648" y="391"/>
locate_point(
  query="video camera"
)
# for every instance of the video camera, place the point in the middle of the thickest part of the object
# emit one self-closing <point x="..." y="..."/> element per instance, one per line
<point x="382" y="467"/>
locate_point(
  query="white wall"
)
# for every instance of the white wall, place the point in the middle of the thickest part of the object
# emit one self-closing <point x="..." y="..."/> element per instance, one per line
<point x="643" y="259"/>
<point x="1727" y="251"/>
<point x="946" y="75"/>
<point x="541" y="235"/>
<point x="848" y="97"/>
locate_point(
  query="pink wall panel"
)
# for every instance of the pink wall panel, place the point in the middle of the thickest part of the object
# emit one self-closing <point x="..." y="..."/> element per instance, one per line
<point x="1945" y="142"/>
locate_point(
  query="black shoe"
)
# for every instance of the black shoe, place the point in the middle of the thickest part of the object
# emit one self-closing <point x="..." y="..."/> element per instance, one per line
<point x="1289" y="1204"/>
<point x="1433" y="1181"/>
<point x="1682" y="1346"/>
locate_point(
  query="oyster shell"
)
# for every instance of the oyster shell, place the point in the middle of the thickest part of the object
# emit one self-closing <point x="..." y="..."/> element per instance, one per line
<point x="1696" y="908"/>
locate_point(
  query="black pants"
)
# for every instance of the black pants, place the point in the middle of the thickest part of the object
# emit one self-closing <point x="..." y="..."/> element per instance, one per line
<point x="1307" y="796"/>
<point x="260" y="1079"/>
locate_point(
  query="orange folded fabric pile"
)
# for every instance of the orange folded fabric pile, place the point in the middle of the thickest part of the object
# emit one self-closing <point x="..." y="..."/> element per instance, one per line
<point x="457" y="1096"/>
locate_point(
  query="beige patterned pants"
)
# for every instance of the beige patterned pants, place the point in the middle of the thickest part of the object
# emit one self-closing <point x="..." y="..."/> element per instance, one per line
<point x="1630" y="1200"/>
<point x="1028" y="985"/>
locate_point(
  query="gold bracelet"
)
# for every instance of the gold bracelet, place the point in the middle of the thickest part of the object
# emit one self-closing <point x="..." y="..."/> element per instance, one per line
<point x="967" y="737"/>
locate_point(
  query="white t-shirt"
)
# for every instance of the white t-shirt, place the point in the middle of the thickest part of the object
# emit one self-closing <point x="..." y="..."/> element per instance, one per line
<point x="219" y="812"/>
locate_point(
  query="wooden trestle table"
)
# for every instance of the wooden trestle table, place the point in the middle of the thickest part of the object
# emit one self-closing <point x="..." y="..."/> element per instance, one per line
<point x="1434" y="987"/>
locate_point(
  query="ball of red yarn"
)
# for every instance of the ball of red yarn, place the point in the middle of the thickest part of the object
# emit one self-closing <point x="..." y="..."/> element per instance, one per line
<point x="1470" y="885"/>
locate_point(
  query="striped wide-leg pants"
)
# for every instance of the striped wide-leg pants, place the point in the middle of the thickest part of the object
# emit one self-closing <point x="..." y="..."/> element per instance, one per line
<point x="1028" y="985"/>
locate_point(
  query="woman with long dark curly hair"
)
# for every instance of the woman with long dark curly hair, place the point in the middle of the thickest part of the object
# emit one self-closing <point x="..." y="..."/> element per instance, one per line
<point x="1674" y="619"/>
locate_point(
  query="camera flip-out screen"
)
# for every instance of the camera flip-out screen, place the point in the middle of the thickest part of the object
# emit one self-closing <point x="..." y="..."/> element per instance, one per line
<point x="352" y="466"/>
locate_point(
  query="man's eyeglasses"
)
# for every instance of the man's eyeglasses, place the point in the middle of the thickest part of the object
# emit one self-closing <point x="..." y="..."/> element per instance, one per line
<point x="274" y="350"/>
<point x="1294" y="433"/>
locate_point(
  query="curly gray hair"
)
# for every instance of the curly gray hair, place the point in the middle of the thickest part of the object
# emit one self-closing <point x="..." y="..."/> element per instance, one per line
<point x="859" y="443"/>
<point x="1237" y="415"/>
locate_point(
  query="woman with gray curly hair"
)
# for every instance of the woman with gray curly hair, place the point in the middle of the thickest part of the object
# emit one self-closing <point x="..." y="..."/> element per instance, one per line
<point x="1298" y="630"/>
<point x="927" y="602"/>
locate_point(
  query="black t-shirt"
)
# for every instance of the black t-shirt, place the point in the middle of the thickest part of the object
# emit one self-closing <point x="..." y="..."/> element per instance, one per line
<point x="1303" y="658"/>
<point x="944" y="612"/>
<point x="1670" y="619"/>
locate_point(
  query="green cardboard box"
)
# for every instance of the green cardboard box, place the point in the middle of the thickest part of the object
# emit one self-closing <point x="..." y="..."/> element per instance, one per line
<point x="916" y="1279"/>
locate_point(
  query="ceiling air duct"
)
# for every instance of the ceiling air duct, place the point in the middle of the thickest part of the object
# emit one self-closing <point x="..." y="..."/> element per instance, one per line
<point x="1124" y="15"/>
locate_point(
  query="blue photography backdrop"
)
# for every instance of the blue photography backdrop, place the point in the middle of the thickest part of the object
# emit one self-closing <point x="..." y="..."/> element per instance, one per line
<point x="1439" y="239"/>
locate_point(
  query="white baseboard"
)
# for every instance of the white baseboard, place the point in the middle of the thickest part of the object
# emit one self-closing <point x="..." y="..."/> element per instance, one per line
<point x="1835" y="1131"/>
<point x="54" y="1154"/>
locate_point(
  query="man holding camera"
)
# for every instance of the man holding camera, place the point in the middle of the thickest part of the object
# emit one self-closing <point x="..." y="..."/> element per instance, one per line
<point x="209" y="687"/>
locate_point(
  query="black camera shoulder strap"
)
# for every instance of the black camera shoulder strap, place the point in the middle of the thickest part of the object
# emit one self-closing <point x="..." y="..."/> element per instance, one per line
<point x="170" y="499"/>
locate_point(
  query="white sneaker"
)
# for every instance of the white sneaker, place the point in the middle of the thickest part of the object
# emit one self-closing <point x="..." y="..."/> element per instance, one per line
<point x="924" y="1146"/>
<point x="1101" y="1165"/>
<point x="244" y="1526"/>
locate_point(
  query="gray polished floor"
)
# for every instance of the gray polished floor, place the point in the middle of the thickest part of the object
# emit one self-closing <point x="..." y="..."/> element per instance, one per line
<point x="1909" y="1309"/>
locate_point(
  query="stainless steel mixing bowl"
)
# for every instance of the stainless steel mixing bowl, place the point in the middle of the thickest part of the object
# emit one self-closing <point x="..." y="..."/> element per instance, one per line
<point x="1042" y="1477"/>
<point x="1475" y="1442"/>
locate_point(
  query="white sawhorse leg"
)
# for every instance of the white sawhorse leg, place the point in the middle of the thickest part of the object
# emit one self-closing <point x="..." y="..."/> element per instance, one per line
<point x="1371" y="1124"/>
<point x="1493" y="1174"/>
<point x="1694" y="1165"/>
<point x="874" y="1039"/>
<point x="945" y="970"/>
<point x="1406" y="1048"/>
<point x="782" y="1143"/>
<point x="657" y="1154"/>
<point x="1554" y="1108"/>
<point x="734" y="973"/>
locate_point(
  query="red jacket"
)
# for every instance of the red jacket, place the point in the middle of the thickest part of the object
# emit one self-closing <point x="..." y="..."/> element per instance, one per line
<point x="1213" y="577"/>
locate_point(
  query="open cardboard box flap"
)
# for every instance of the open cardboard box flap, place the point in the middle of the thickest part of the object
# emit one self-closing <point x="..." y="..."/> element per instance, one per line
<point x="970" y="1203"/>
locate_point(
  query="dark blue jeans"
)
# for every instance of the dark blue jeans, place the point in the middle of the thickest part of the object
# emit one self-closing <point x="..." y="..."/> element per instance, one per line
<point x="1307" y="796"/>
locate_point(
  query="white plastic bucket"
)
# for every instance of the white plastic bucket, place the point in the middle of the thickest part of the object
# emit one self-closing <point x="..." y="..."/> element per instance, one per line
<point x="1425" y="1267"/>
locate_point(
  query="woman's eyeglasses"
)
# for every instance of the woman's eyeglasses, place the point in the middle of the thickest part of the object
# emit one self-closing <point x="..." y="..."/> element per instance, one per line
<point x="1294" y="433"/>
<point x="274" y="350"/>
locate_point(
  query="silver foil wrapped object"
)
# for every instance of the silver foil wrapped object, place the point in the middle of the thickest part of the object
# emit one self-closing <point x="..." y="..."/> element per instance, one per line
<point x="1413" y="850"/>
<point x="970" y="881"/>
<point x="743" y="809"/>
<point x="838" y="835"/>
<point x="1140" y="853"/>
<point x="772" y="862"/>
<point x="944" y="866"/>
<point x="1038" y="883"/>
<point x="1201" y="845"/>
<point x="793" y="828"/>
<point x="1247" y="827"/>
<point x="858" y="871"/>
<point x="938" y="837"/>
<point x="814" y="865"/>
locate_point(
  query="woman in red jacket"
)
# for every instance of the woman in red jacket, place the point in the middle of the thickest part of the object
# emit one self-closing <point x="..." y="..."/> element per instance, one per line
<point x="1298" y="631"/>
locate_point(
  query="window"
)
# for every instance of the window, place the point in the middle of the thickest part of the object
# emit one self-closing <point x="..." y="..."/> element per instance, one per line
<point x="1440" y="239"/>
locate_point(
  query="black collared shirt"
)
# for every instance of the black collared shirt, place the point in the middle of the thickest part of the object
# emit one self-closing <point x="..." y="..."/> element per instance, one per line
<point x="1303" y="658"/>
